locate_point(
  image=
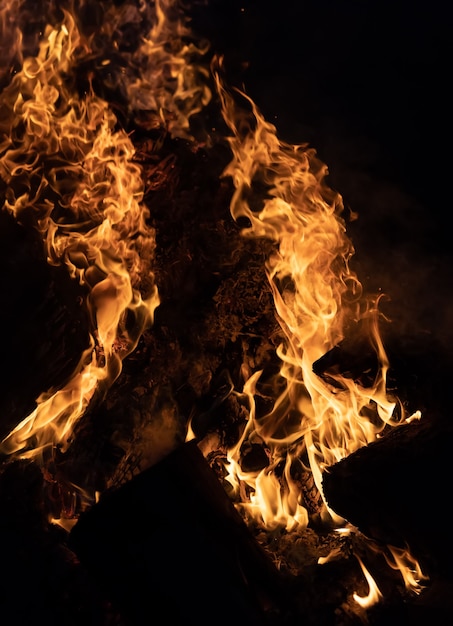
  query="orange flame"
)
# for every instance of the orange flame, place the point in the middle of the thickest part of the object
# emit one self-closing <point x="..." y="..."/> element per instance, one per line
<point x="316" y="296"/>
<point x="67" y="165"/>
<point x="85" y="195"/>
<point x="404" y="562"/>
<point x="374" y="594"/>
<point x="315" y="293"/>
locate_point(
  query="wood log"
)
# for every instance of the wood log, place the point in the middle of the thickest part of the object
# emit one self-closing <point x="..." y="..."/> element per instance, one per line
<point x="170" y="542"/>
<point x="418" y="365"/>
<point x="395" y="490"/>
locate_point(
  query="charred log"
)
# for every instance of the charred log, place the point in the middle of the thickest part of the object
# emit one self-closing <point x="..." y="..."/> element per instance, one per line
<point x="417" y="373"/>
<point x="170" y="542"/>
<point x="353" y="358"/>
<point x="394" y="491"/>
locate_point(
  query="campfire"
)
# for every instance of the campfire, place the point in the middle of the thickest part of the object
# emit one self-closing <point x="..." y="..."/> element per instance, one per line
<point x="205" y="415"/>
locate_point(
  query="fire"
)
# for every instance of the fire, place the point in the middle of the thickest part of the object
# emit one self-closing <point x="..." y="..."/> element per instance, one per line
<point x="374" y="594"/>
<point x="316" y="295"/>
<point x="84" y="193"/>
<point x="403" y="561"/>
<point x="70" y="168"/>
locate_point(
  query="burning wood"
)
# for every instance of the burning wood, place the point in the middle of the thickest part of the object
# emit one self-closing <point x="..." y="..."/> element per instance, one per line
<point x="378" y="489"/>
<point x="212" y="269"/>
<point x="171" y="541"/>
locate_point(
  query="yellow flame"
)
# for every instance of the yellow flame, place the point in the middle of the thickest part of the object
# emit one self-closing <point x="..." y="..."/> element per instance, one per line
<point x="315" y="293"/>
<point x="374" y="594"/>
<point x="85" y="194"/>
<point x="409" y="568"/>
<point x="316" y="297"/>
<point x="66" y="163"/>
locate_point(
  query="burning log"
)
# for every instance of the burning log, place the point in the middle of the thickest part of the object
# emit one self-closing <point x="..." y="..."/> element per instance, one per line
<point x="170" y="542"/>
<point x="393" y="490"/>
<point x="416" y="359"/>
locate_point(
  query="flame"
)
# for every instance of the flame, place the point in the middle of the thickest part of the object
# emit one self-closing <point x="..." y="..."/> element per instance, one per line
<point x="81" y="187"/>
<point x="69" y="167"/>
<point x="374" y="594"/>
<point x="316" y="295"/>
<point x="403" y="561"/>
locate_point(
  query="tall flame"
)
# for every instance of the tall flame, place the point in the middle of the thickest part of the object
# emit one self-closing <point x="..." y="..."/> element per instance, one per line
<point x="316" y="295"/>
<point x="79" y="184"/>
